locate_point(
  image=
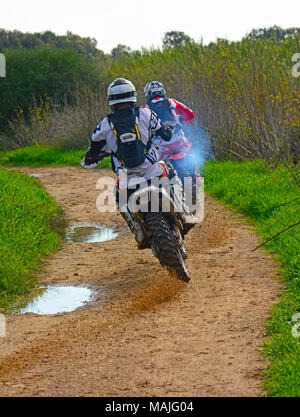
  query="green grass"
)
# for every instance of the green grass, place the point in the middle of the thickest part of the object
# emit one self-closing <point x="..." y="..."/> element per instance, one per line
<point x="29" y="230"/>
<point x="37" y="156"/>
<point x="254" y="189"/>
<point x="28" y="217"/>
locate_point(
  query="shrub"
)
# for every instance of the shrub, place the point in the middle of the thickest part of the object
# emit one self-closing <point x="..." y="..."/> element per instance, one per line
<point x="33" y="73"/>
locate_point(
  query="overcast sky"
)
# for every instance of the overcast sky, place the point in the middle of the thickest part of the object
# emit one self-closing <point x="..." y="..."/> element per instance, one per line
<point x="139" y="23"/>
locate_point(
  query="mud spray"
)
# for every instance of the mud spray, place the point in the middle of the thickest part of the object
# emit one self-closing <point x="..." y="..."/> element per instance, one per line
<point x="152" y="294"/>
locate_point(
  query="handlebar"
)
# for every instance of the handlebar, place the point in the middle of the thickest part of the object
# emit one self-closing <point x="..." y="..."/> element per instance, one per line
<point x="105" y="154"/>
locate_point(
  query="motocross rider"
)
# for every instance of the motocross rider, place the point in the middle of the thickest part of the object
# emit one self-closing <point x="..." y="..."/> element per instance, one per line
<point x="128" y="132"/>
<point x="171" y="111"/>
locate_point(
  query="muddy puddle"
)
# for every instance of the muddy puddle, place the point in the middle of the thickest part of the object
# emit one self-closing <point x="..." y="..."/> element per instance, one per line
<point x="41" y="174"/>
<point x="56" y="299"/>
<point x="89" y="233"/>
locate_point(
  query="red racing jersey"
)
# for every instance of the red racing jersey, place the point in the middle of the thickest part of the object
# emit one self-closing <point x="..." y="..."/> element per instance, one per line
<point x="179" y="112"/>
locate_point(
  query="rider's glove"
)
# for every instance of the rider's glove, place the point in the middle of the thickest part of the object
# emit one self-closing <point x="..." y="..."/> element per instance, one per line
<point x="89" y="158"/>
<point x="167" y="130"/>
<point x="89" y="161"/>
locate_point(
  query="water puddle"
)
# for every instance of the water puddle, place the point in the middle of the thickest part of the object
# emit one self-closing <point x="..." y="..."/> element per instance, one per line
<point x="41" y="174"/>
<point x="57" y="299"/>
<point x="89" y="233"/>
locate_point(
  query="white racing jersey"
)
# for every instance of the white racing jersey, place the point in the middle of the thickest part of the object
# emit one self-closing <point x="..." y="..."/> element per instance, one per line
<point x="148" y="123"/>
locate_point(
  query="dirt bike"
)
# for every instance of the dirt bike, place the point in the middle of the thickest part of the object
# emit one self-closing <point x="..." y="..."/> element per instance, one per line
<point x="162" y="231"/>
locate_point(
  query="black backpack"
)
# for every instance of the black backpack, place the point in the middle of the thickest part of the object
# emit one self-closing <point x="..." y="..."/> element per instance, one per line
<point x="131" y="150"/>
<point x="162" y="109"/>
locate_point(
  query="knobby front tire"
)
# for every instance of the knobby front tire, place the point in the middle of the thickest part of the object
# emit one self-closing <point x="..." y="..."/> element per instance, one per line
<point x="165" y="247"/>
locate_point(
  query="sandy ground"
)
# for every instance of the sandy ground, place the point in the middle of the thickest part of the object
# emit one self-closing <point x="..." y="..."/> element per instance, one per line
<point x="145" y="334"/>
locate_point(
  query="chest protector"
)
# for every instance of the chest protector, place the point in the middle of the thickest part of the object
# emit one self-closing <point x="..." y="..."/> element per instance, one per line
<point x="162" y="109"/>
<point x="131" y="151"/>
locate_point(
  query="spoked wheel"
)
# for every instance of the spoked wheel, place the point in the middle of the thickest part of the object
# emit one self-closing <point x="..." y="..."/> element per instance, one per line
<point x="165" y="245"/>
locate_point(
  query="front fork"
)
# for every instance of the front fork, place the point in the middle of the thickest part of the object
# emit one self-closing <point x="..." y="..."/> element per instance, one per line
<point x="136" y="227"/>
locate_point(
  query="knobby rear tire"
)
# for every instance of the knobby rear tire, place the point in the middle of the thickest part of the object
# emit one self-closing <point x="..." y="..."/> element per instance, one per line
<point x="165" y="247"/>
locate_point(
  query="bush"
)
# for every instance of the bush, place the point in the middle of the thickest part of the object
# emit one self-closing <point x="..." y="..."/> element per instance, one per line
<point x="56" y="73"/>
<point x="66" y="127"/>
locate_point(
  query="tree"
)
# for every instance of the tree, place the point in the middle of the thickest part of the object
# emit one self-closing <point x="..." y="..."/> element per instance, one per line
<point x="83" y="46"/>
<point x="120" y="50"/>
<point x="274" y="32"/>
<point x="175" y="39"/>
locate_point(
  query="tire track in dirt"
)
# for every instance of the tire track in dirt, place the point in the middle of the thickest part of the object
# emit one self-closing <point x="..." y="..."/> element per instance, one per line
<point x="146" y="334"/>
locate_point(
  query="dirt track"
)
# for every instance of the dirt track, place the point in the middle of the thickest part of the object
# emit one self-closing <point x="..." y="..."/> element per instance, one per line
<point x="146" y="334"/>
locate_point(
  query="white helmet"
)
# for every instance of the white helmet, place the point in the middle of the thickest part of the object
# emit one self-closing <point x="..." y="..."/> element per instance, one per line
<point x="121" y="91"/>
<point x="154" y="89"/>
